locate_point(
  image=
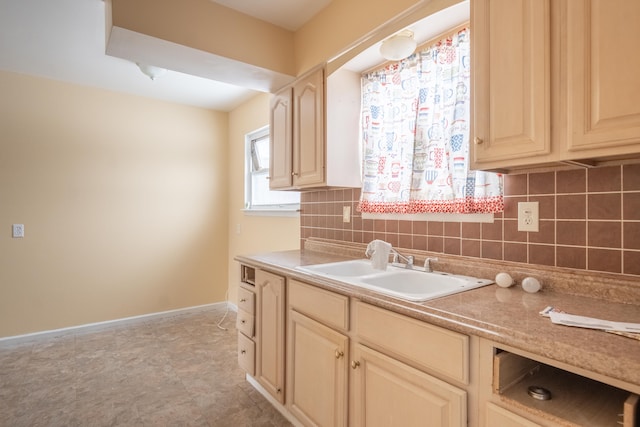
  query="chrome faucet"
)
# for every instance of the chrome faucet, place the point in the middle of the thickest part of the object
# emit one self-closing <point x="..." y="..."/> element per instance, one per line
<point x="427" y="264"/>
<point x="408" y="259"/>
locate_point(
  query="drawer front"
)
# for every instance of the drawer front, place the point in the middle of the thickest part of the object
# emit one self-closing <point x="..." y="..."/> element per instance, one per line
<point x="326" y="307"/>
<point x="497" y="416"/>
<point x="429" y="347"/>
<point x="247" y="354"/>
<point x="246" y="300"/>
<point x="245" y="322"/>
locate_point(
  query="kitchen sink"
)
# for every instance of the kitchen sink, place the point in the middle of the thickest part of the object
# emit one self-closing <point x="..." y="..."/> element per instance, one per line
<point x="409" y="284"/>
<point x="352" y="268"/>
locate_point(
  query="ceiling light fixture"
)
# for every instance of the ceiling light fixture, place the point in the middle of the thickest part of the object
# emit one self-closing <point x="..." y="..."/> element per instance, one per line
<point x="151" y="71"/>
<point x="398" y="46"/>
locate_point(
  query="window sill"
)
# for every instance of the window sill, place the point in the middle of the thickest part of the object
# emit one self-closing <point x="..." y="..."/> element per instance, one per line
<point x="292" y="213"/>
<point x="443" y="217"/>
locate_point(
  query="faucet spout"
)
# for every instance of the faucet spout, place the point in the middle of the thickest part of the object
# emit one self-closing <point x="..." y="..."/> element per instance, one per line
<point x="407" y="259"/>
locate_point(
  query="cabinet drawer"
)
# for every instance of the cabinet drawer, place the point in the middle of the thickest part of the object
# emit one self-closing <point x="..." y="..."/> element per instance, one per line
<point x="429" y="347"/>
<point x="245" y="322"/>
<point x="246" y="354"/>
<point x="246" y="300"/>
<point x="327" y="307"/>
<point x="497" y="416"/>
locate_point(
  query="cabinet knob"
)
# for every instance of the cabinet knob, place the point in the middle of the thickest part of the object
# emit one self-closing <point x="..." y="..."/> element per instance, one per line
<point x="279" y="390"/>
<point x="243" y="352"/>
<point x="477" y="140"/>
<point x="354" y="364"/>
<point x="294" y="174"/>
<point x="243" y="321"/>
<point x="339" y="353"/>
<point x="243" y="300"/>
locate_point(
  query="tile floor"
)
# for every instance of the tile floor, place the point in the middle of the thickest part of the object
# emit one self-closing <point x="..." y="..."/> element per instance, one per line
<point x="177" y="371"/>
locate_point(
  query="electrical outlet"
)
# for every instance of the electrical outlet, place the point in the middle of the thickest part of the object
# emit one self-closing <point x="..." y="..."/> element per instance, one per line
<point x="17" y="230"/>
<point x="346" y="214"/>
<point x="528" y="216"/>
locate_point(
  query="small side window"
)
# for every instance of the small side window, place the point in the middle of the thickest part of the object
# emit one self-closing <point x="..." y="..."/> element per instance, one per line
<point x="259" y="200"/>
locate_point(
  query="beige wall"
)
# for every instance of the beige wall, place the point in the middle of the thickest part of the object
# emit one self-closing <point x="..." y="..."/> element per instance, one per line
<point x="355" y="25"/>
<point x="123" y="200"/>
<point x="257" y="233"/>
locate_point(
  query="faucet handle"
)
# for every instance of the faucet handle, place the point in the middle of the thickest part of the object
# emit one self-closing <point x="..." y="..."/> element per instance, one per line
<point x="427" y="264"/>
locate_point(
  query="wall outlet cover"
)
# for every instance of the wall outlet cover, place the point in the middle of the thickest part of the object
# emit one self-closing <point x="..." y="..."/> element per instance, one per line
<point x="346" y="214"/>
<point x="528" y="216"/>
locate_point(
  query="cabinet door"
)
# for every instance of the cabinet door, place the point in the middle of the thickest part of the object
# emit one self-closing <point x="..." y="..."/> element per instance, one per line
<point x="511" y="82"/>
<point x="270" y="333"/>
<point x="281" y="131"/>
<point x="387" y="392"/>
<point x="602" y="77"/>
<point x="308" y="130"/>
<point x="317" y="388"/>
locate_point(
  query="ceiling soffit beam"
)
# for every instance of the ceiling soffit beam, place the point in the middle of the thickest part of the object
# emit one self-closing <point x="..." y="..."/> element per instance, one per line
<point x="202" y="38"/>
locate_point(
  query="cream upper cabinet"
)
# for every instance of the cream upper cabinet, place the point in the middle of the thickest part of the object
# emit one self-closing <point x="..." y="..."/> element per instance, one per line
<point x="281" y="157"/>
<point x="297" y="157"/>
<point x="387" y="392"/>
<point x="270" y="333"/>
<point x="602" y="76"/>
<point x="308" y="130"/>
<point x="315" y="132"/>
<point x="554" y="82"/>
<point x="511" y="78"/>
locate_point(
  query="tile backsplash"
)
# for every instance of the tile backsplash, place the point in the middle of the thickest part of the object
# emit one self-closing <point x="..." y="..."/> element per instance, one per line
<point x="589" y="220"/>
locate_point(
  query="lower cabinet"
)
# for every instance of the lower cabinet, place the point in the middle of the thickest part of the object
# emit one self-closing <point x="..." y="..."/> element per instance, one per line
<point x="497" y="416"/>
<point x="387" y="392"/>
<point x="317" y="390"/>
<point x="270" y="332"/>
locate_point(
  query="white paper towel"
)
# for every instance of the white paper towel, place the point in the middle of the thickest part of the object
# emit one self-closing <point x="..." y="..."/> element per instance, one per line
<point x="378" y="251"/>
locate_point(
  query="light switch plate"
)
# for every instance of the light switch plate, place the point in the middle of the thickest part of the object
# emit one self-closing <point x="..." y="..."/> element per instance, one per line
<point x="528" y="216"/>
<point x="17" y="231"/>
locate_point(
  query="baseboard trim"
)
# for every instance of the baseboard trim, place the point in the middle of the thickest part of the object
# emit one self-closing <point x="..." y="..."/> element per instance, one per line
<point x="107" y="324"/>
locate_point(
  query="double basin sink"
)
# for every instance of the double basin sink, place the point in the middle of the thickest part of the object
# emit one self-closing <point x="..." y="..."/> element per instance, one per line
<point x="409" y="284"/>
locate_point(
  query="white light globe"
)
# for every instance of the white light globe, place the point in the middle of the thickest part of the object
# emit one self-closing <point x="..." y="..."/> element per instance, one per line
<point x="398" y="47"/>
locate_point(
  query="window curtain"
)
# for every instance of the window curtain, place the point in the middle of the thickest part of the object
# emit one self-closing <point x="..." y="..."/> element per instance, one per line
<point x="415" y="129"/>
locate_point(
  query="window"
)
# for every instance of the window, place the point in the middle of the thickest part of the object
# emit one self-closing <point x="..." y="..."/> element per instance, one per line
<point x="258" y="198"/>
<point x="415" y="127"/>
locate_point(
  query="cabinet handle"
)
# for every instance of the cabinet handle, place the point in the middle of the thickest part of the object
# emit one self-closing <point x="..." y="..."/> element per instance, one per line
<point x="478" y="141"/>
<point x="354" y="364"/>
<point x="294" y="174"/>
<point x="243" y="300"/>
<point x="339" y="354"/>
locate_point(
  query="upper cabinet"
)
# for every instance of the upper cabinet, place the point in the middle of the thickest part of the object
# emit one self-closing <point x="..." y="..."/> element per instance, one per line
<point x="314" y="132"/>
<point x="603" y="84"/>
<point x="554" y="82"/>
<point x="511" y="69"/>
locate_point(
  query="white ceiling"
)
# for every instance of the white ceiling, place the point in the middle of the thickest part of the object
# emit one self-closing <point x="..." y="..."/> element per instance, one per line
<point x="65" y="40"/>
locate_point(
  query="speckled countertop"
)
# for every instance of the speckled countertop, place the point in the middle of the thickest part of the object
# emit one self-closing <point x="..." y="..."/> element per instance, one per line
<point x="508" y="316"/>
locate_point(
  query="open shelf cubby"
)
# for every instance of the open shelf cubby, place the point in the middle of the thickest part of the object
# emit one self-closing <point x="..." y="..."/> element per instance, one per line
<point x="575" y="400"/>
